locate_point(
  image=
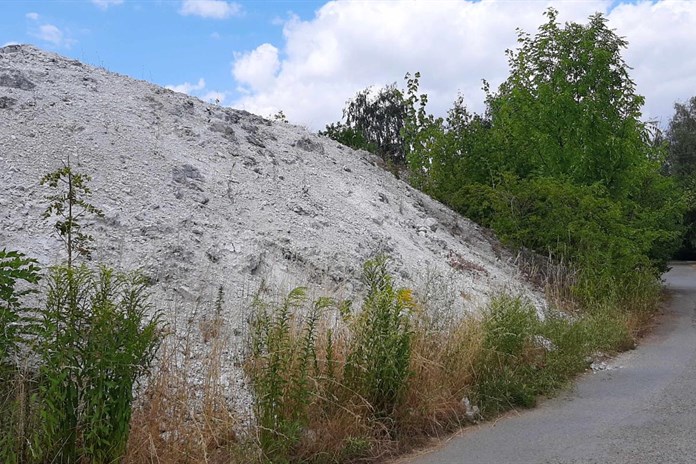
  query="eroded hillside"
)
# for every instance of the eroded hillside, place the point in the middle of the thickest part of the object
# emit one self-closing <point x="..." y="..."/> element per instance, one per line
<point x="202" y="197"/>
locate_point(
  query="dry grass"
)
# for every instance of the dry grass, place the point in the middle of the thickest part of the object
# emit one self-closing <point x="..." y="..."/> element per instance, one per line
<point x="442" y="366"/>
<point x="341" y="425"/>
<point x="19" y="419"/>
<point x="556" y="277"/>
<point x="176" y="420"/>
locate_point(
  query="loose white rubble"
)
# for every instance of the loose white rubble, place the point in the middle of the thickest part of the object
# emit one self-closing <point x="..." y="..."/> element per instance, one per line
<point x="202" y="197"/>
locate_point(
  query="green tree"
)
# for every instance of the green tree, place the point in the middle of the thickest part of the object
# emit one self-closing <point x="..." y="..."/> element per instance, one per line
<point x="373" y="122"/>
<point x="681" y="135"/>
<point x="569" y="107"/>
<point x="681" y="164"/>
<point x="424" y="139"/>
<point x="70" y="206"/>
<point x="561" y="161"/>
<point x="280" y="117"/>
<point x="444" y="154"/>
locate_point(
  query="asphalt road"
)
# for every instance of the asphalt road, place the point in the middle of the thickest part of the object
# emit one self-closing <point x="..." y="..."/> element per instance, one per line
<point x="641" y="410"/>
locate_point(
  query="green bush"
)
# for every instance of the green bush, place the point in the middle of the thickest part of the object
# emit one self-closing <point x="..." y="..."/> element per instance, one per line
<point x="95" y="338"/>
<point x="378" y="365"/>
<point x="524" y="357"/>
<point x="279" y="362"/>
<point x="506" y="373"/>
<point x="610" y="242"/>
<point x="15" y="267"/>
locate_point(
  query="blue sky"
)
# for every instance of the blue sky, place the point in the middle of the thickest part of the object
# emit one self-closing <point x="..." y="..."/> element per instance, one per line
<point x="150" y="40"/>
<point x="308" y="57"/>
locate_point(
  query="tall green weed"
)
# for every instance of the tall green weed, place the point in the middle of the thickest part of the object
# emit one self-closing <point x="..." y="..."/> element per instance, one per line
<point x="95" y="337"/>
<point x="378" y="365"/>
<point x="282" y="355"/>
<point x="315" y="365"/>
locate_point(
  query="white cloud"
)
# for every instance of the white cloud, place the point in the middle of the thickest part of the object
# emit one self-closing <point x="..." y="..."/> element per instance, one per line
<point x="188" y="88"/>
<point x="662" y="51"/>
<point x="352" y="44"/>
<point x="199" y="90"/>
<point x="104" y="4"/>
<point x="216" y="9"/>
<point x="53" y="35"/>
<point x="257" y="69"/>
<point x="50" y="33"/>
<point x="7" y="44"/>
<point x="33" y="16"/>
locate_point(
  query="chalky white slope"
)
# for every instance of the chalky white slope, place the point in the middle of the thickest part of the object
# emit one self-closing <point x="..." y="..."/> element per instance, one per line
<point x="201" y="197"/>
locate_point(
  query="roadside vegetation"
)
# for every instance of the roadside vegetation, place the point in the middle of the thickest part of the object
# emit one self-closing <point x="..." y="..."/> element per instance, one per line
<point x="560" y="162"/>
<point x="71" y="359"/>
<point x="560" y="166"/>
<point x="680" y="140"/>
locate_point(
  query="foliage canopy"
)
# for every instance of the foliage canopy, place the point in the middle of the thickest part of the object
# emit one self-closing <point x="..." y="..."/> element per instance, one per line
<point x="373" y="122"/>
<point x="681" y="164"/>
<point x="561" y="161"/>
<point x="569" y="107"/>
<point x="69" y="205"/>
<point x="681" y="136"/>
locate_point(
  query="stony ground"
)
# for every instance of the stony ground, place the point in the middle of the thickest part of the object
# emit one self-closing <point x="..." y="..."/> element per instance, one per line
<point x="202" y="197"/>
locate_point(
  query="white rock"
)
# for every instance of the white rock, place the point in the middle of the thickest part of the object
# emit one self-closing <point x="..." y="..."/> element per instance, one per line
<point x="183" y="173"/>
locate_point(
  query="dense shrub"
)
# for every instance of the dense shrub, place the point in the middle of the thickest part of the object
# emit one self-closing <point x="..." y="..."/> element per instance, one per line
<point x="561" y="162"/>
<point x="95" y="339"/>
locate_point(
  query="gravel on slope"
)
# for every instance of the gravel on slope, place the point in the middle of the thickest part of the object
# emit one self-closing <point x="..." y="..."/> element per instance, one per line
<point x="202" y="197"/>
